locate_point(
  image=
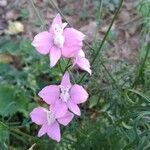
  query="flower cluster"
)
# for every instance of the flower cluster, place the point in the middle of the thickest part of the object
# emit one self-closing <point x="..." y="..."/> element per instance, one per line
<point x="62" y="99"/>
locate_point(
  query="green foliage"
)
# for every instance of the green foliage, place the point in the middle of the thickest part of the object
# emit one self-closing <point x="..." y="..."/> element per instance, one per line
<point x="4" y="136"/>
<point x="115" y="117"/>
<point x="6" y="101"/>
<point x="144" y="9"/>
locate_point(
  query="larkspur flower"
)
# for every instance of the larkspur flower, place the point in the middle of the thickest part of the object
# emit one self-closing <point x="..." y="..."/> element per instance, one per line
<point x="49" y="122"/>
<point x="58" y="41"/>
<point x="81" y="62"/>
<point x="64" y="96"/>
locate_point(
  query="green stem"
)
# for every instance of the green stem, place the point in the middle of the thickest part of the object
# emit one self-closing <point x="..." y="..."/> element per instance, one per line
<point x="142" y="65"/>
<point x="104" y="39"/>
<point x="110" y="26"/>
<point x="111" y="77"/>
<point x="67" y="66"/>
<point x="37" y="13"/>
<point x="59" y="11"/>
<point x="59" y="64"/>
<point x="98" y="19"/>
<point x="18" y="132"/>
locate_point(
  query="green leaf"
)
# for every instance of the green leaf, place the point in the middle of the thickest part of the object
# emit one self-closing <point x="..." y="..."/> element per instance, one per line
<point x="4" y="134"/>
<point x="93" y="101"/>
<point x="7" y="45"/>
<point x="7" y="100"/>
<point x="11" y="102"/>
<point x="146" y="98"/>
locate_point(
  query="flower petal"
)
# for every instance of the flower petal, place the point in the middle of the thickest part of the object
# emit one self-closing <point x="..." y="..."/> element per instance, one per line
<point x="50" y="94"/>
<point x="56" y="20"/>
<point x="55" y="54"/>
<point x="43" y="42"/>
<point x="59" y="108"/>
<point x="78" y="94"/>
<point x="38" y="115"/>
<point x="74" y="108"/>
<point x="65" y="120"/>
<point x="73" y="42"/>
<point x="43" y="130"/>
<point x="83" y="64"/>
<point x="81" y="53"/>
<point x="53" y="131"/>
<point x="66" y="80"/>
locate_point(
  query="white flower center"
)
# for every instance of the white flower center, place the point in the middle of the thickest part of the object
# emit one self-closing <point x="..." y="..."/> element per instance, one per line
<point x="50" y="117"/>
<point x="64" y="95"/>
<point x="59" y="38"/>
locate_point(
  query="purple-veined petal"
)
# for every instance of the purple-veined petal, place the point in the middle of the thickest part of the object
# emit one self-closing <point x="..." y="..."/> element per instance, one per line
<point x="66" y="119"/>
<point x="43" y="42"/>
<point x="55" y="54"/>
<point x="73" y="108"/>
<point x="78" y="94"/>
<point x="38" y="115"/>
<point x="53" y="131"/>
<point x="50" y="94"/>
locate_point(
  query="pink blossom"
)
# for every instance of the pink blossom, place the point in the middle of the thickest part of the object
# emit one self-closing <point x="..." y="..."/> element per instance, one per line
<point x="58" y="41"/>
<point x="64" y="96"/>
<point x="81" y="62"/>
<point x="49" y="122"/>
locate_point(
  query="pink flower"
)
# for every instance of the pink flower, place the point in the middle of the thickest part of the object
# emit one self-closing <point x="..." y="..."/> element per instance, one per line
<point x="65" y="96"/>
<point x="81" y="62"/>
<point x="49" y="122"/>
<point x="58" y="41"/>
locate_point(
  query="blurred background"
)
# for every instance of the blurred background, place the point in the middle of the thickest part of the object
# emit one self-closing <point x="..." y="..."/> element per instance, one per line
<point x="117" y="113"/>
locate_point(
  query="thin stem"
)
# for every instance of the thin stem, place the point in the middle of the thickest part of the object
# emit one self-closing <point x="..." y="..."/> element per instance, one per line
<point x="104" y="39"/>
<point x="37" y="13"/>
<point x="59" y="64"/>
<point x="110" y="26"/>
<point x="59" y="11"/>
<point x="23" y="134"/>
<point x="67" y="66"/>
<point x="99" y="18"/>
<point x="18" y="131"/>
<point x="114" y="81"/>
<point x="142" y="65"/>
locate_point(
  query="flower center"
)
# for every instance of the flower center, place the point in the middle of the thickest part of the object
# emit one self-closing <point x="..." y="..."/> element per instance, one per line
<point x="58" y="35"/>
<point x="50" y="117"/>
<point x="64" y="95"/>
